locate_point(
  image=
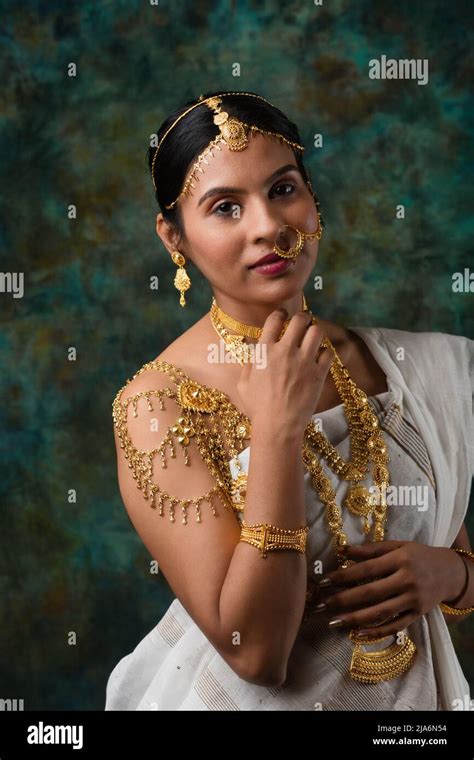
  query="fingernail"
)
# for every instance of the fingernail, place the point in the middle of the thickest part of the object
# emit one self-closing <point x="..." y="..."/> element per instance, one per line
<point x="335" y="623"/>
<point x="320" y="607"/>
<point x="325" y="582"/>
<point x="362" y="632"/>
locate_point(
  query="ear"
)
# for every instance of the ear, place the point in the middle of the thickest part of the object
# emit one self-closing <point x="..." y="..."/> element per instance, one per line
<point x="167" y="233"/>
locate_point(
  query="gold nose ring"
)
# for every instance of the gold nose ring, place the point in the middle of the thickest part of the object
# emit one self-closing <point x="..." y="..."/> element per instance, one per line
<point x="294" y="251"/>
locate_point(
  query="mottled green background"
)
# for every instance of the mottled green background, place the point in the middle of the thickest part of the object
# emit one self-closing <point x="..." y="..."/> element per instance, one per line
<point x="80" y="567"/>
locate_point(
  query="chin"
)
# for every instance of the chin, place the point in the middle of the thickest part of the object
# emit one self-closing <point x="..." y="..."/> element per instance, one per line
<point x="280" y="290"/>
<point x="283" y="287"/>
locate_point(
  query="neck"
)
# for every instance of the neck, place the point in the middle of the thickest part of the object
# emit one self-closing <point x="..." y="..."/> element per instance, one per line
<point x="255" y="314"/>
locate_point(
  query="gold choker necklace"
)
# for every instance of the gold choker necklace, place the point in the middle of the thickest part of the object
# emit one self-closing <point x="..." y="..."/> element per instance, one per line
<point x="366" y="445"/>
<point x="241" y="351"/>
<point x="247" y="331"/>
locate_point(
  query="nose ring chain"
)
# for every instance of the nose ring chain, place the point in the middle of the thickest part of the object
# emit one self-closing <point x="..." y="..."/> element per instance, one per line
<point x="301" y="236"/>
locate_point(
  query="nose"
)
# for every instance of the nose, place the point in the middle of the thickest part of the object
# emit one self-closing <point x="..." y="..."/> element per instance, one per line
<point x="266" y="223"/>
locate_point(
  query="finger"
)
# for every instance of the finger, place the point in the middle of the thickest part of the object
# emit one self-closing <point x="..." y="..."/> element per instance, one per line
<point x="362" y="572"/>
<point x="297" y="327"/>
<point x="364" y="596"/>
<point x="377" y="615"/>
<point x="311" y="346"/>
<point x="273" y="326"/>
<point x="390" y="628"/>
<point x="245" y="371"/>
<point x="373" y="548"/>
<point x="323" y="359"/>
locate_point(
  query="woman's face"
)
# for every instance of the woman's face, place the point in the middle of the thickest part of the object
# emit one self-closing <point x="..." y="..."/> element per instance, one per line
<point x="235" y="214"/>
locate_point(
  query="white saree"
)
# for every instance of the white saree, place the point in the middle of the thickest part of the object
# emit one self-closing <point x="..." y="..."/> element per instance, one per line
<point x="436" y="378"/>
<point x="428" y="416"/>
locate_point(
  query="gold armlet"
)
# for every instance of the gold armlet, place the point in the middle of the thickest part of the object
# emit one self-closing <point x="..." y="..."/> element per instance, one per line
<point x="270" y="538"/>
<point x="457" y="610"/>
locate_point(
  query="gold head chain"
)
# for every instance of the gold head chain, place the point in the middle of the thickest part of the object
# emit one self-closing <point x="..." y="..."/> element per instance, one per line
<point x="232" y="132"/>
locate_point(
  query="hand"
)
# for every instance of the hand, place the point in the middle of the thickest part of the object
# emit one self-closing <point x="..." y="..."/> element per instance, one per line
<point x="288" y="386"/>
<point x="402" y="580"/>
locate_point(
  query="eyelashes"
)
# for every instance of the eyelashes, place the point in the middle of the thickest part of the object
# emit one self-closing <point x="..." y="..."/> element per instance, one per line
<point x="216" y="211"/>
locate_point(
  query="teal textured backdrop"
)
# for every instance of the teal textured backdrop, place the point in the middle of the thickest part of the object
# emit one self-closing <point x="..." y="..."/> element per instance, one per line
<point x="79" y="567"/>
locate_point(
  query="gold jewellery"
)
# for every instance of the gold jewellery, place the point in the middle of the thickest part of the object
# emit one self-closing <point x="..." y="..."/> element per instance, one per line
<point x="301" y="236"/>
<point x="232" y="132"/>
<point x="460" y="610"/>
<point x="270" y="538"/>
<point x="182" y="281"/>
<point x="240" y="350"/>
<point x="366" y="445"/>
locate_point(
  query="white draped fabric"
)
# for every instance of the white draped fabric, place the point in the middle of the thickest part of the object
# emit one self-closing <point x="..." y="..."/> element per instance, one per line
<point x="436" y="378"/>
<point x="427" y="418"/>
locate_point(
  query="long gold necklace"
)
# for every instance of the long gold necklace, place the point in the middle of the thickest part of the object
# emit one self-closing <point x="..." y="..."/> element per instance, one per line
<point x="366" y="445"/>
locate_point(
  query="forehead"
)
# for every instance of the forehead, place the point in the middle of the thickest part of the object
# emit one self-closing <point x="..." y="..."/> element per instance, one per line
<point x="262" y="156"/>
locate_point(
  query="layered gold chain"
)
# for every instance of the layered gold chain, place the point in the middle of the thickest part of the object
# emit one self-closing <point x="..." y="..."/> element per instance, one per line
<point x="366" y="445"/>
<point x="366" y="442"/>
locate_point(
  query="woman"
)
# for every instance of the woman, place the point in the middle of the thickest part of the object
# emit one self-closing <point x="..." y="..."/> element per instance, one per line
<point x="359" y="477"/>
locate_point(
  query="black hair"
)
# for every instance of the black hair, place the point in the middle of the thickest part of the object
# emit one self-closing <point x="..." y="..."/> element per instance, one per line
<point x="195" y="131"/>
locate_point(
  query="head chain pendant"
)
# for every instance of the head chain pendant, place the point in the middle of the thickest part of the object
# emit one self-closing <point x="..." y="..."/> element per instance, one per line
<point x="232" y="132"/>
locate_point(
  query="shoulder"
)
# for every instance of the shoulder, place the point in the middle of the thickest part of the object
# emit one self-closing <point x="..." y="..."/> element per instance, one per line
<point x="422" y="346"/>
<point x="147" y="390"/>
<point x="427" y="340"/>
<point x="180" y="373"/>
<point x="162" y="416"/>
<point x="170" y="368"/>
<point x="436" y="365"/>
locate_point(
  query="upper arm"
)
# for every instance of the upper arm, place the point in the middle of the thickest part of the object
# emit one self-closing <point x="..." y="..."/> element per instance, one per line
<point x="193" y="555"/>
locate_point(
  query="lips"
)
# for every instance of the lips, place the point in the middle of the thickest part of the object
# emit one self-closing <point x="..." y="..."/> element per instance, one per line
<point x="266" y="260"/>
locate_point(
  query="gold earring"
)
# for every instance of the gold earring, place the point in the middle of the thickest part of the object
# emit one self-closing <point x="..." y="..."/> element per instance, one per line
<point x="182" y="281"/>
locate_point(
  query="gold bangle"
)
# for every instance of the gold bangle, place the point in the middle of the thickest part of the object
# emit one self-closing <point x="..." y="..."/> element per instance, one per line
<point x="458" y="610"/>
<point x="268" y="537"/>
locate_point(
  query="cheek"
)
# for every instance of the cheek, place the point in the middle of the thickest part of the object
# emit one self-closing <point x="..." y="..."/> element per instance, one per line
<point x="311" y="220"/>
<point x="216" y="248"/>
<point x="215" y="262"/>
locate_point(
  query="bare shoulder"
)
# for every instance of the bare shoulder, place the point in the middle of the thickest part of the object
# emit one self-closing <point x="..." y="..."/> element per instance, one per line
<point x="191" y="352"/>
<point x="187" y="351"/>
<point x="178" y="360"/>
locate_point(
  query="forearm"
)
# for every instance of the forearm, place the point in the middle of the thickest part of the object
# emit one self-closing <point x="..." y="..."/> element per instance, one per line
<point x="263" y="599"/>
<point x="458" y="580"/>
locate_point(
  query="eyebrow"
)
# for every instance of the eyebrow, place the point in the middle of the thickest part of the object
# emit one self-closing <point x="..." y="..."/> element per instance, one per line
<point x="226" y="189"/>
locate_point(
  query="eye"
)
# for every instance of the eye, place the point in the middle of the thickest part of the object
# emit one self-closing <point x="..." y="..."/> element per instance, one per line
<point x="286" y="184"/>
<point x="220" y="211"/>
<point x="225" y="203"/>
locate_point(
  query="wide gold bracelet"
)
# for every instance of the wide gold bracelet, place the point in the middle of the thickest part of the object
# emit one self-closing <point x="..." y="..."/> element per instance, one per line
<point x="457" y="610"/>
<point x="268" y="537"/>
